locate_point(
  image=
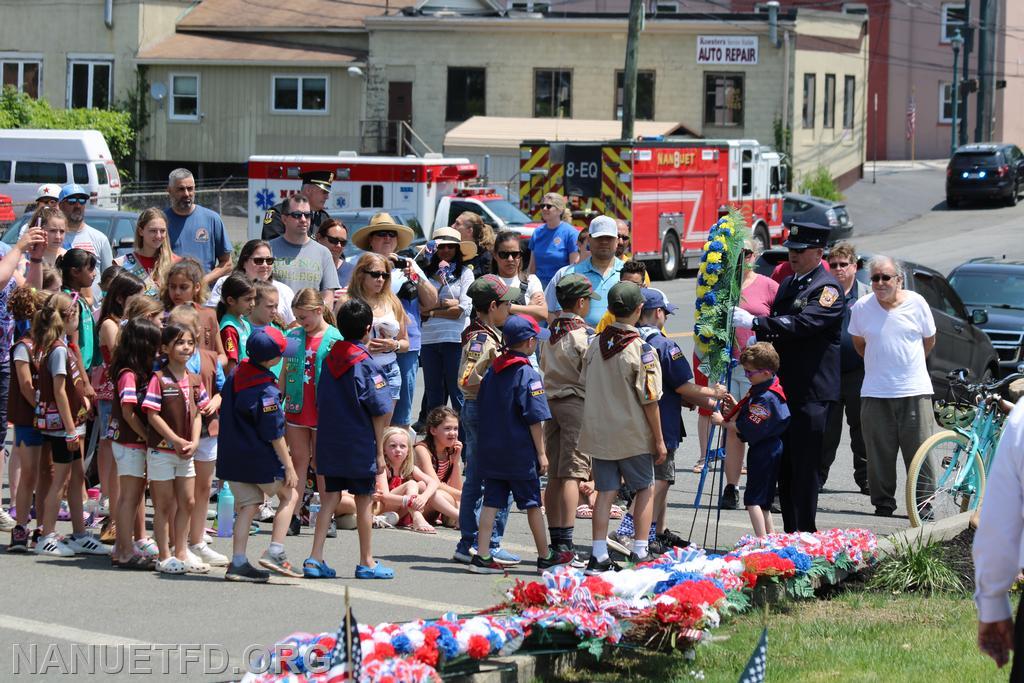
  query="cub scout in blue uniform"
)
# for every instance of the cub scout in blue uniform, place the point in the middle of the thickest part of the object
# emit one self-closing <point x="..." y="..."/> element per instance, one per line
<point x="354" y="398"/>
<point x="252" y="455"/>
<point x="510" y="451"/>
<point x="677" y="387"/>
<point x="621" y="421"/>
<point x="760" y="419"/>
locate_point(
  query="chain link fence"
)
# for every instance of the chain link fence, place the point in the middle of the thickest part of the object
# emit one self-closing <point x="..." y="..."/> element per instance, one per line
<point x="229" y="197"/>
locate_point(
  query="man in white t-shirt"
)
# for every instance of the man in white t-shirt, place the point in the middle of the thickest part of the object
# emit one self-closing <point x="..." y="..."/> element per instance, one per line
<point x="80" y="235"/>
<point x="893" y="329"/>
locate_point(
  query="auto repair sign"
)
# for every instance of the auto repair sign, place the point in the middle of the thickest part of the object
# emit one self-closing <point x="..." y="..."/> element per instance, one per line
<point x="727" y="50"/>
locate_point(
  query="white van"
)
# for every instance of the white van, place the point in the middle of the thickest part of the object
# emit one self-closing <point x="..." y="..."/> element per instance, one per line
<point x="30" y="157"/>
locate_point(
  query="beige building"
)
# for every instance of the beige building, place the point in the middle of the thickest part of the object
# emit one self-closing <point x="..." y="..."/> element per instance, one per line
<point x="718" y="79"/>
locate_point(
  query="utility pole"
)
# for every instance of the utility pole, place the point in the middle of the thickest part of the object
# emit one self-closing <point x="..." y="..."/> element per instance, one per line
<point x="965" y="93"/>
<point x="985" y="75"/>
<point x="636" y="17"/>
<point x="957" y="41"/>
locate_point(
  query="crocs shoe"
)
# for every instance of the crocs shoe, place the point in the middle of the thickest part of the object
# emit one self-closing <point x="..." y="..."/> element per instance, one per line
<point x="315" y="569"/>
<point x="171" y="565"/>
<point x="377" y="571"/>
<point x="194" y="565"/>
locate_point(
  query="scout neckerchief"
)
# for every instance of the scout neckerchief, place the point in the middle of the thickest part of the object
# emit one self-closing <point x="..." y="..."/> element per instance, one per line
<point x="614" y="339"/>
<point x="345" y="355"/>
<point x="250" y="375"/>
<point x="775" y="387"/>
<point x="509" y="359"/>
<point x="477" y="326"/>
<point x="564" y="325"/>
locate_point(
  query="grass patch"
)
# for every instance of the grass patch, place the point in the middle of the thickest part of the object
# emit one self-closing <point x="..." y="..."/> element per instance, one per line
<point x="854" y="636"/>
<point x="916" y="566"/>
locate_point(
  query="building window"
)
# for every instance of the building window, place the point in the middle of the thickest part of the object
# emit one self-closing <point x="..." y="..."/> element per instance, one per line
<point x="22" y="75"/>
<point x="953" y="15"/>
<point x="552" y="93"/>
<point x="849" y="97"/>
<point x="666" y="8"/>
<point x="300" y="94"/>
<point x="184" y="97"/>
<point x="644" y="95"/>
<point x="855" y="8"/>
<point x="467" y="93"/>
<point x="89" y="84"/>
<point x="723" y="99"/>
<point x="809" y="94"/>
<point x="946" y="104"/>
<point x="830" y="101"/>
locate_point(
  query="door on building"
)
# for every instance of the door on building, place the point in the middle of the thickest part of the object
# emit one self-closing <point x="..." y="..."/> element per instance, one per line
<point x="399" y="110"/>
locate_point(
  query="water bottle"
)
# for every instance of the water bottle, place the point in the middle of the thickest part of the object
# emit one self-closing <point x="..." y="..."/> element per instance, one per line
<point x="314" y="509"/>
<point x="92" y="506"/>
<point x="225" y="512"/>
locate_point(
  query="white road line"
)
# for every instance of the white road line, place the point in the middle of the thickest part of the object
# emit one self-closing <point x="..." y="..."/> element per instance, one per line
<point x="61" y="632"/>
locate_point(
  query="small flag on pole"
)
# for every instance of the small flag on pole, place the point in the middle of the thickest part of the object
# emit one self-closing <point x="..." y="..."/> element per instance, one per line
<point x="911" y="117"/>
<point x="347" y="649"/>
<point x="758" y="664"/>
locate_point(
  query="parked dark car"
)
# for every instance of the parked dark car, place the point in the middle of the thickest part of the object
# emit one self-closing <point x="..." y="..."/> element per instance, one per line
<point x="985" y="171"/>
<point x="960" y="341"/>
<point x="358" y="219"/>
<point x="995" y="287"/>
<point x="803" y="208"/>
<point x="118" y="226"/>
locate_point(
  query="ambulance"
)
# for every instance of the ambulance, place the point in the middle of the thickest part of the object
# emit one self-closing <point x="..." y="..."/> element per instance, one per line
<point x="669" y="191"/>
<point x="435" y="188"/>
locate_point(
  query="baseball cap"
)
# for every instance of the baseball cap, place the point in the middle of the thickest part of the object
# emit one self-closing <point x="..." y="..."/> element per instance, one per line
<point x="655" y="298"/>
<point x="488" y="288"/>
<point x="624" y="297"/>
<point x="72" y="190"/>
<point x="48" y="191"/>
<point x="574" y="286"/>
<point x="267" y="342"/>
<point x="519" y="328"/>
<point x="604" y="226"/>
<point x="555" y="199"/>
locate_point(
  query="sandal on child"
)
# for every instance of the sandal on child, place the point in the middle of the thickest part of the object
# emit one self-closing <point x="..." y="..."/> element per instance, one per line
<point x="317" y="569"/>
<point x="615" y="513"/>
<point x="584" y="512"/>
<point x="378" y="571"/>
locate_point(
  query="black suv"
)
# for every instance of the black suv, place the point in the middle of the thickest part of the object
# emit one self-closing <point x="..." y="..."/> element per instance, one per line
<point x="985" y="171"/>
<point x="997" y="288"/>
<point x="959" y="339"/>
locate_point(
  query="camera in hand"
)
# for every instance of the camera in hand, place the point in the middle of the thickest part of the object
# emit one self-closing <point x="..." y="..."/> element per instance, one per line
<point x="400" y="262"/>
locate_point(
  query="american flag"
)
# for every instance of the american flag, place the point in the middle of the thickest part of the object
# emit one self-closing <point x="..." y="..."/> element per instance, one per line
<point x="911" y="117"/>
<point x="348" y="641"/>
<point x="758" y="664"/>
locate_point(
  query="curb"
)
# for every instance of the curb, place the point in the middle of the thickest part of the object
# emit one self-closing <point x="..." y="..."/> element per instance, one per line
<point x="943" y="530"/>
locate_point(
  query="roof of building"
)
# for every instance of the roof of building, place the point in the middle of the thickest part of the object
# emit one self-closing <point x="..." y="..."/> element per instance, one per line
<point x="186" y="48"/>
<point x="497" y="132"/>
<point x="319" y="15"/>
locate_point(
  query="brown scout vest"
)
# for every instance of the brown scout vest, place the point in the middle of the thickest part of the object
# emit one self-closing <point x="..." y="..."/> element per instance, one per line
<point x="20" y="412"/>
<point x="119" y="430"/>
<point x="173" y="408"/>
<point x="209" y="328"/>
<point x="208" y="376"/>
<point x="46" y="409"/>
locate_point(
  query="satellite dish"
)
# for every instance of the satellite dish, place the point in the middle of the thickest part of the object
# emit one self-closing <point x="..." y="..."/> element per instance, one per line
<point x="158" y="91"/>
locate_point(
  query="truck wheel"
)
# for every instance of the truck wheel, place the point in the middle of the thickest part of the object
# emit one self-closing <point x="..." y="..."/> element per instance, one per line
<point x="761" y="239"/>
<point x="668" y="265"/>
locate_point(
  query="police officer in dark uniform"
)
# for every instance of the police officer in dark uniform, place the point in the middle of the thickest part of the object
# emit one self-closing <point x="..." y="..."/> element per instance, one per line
<point x="805" y="328"/>
<point x="316" y="187"/>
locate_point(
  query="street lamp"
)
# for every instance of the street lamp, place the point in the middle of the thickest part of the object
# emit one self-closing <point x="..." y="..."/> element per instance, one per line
<point x="957" y="42"/>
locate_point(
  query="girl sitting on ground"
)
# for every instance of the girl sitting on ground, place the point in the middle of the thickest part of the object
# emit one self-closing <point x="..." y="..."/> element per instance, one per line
<point x="412" y="492"/>
<point x="439" y="454"/>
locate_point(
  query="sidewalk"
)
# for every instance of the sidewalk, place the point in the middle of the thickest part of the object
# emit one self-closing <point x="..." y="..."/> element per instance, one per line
<point x="901" y="194"/>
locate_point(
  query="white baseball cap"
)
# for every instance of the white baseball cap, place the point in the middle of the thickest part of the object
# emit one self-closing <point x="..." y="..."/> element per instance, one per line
<point x="48" y="191"/>
<point x="604" y="226"/>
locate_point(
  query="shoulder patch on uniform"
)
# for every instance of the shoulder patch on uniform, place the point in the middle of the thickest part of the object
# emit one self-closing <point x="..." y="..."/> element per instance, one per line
<point x="476" y="346"/>
<point x="674" y="352"/>
<point x="829" y="295"/>
<point x="268" y="217"/>
<point x="759" y="413"/>
<point x="378" y="381"/>
<point x="536" y="388"/>
<point x="647" y="357"/>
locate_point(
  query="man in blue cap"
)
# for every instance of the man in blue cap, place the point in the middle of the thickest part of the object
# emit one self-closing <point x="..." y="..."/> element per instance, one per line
<point x="80" y="235"/>
<point x="805" y="327"/>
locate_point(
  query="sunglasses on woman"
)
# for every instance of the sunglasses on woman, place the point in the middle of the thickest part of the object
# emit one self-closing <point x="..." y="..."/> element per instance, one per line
<point x="262" y="260"/>
<point x="547" y="206"/>
<point x="336" y="241"/>
<point x="376" y="274"/>
<point x="387" y="234"/>
<point x="509" y="254"/>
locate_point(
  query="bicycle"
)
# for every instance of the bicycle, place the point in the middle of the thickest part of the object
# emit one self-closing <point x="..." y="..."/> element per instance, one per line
<point x="961" y="454"/>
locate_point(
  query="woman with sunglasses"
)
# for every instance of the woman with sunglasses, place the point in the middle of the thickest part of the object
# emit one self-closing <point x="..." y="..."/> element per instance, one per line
<point x="553" y="244"/>
<point x="257" y="261"/>
<point x="508" y="265"/>
<point x="442" y="327"/>
<point x="334" y="235"/>
<point x="371" y="283"/>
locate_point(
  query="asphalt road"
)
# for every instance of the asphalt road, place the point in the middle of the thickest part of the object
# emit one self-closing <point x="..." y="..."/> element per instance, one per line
<point x="55" y="604"/>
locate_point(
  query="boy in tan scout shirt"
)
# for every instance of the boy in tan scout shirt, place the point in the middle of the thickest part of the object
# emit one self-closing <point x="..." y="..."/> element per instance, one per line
<point x="562" y="362"/>
<point x="492" y="300"/>
<point x="621" y="422"/>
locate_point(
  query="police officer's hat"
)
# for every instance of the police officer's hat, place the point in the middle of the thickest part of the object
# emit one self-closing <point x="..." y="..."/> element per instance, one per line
<point x="321" y="179"/>
<point x="807" y="236"/>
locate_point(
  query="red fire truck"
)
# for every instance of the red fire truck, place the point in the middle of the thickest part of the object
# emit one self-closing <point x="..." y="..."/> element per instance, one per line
<point x="669" y="191"/>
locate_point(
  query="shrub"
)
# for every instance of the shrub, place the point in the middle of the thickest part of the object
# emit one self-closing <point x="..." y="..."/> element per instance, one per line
<point x="819" y="183"/>
<point x="916" y="566"/>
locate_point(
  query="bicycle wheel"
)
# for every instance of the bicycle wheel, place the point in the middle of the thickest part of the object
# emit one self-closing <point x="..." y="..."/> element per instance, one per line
<point x="944" y="479"/>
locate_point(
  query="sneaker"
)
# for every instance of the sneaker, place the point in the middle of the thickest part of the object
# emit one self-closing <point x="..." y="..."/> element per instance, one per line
<point x="555" y="558"/>
<point x="595" y="567"/>
<point x="463" y="555"/>
<point x="620" y="543"/>
<point x="37" y="533"/>
<point x="146" y="547"/>
<point x="54" y="546"/>
<point x="294" y="527"/>
<point x="87" y="544"/>
<point x="729" y="499"/>
<point x="655" y="548"/>
<point x="577" y="562"/>
<point x="104" y="509"/>
<point x="279" y="564"/>
<point x="247" y="573"/>
<point x="19" y="540"/>
<point x="194" y="565"/>
<point x="7" y="522"/>
<point x="211" y="514"/>
<point x="504" y="557"/>
<point x="670" y="539"/>
<point x="332" y="530"/>
<point x="266" y="513"/>
<point x="481" y="565"/>
<point x="208" y="555"/>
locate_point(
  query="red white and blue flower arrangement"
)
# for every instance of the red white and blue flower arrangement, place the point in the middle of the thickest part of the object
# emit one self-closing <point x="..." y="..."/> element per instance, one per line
<point x="672" y="601"/>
